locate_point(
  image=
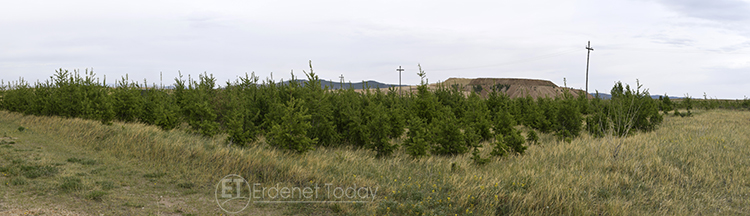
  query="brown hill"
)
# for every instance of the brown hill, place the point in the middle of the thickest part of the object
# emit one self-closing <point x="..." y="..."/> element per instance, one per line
<point x="510" y="86"/>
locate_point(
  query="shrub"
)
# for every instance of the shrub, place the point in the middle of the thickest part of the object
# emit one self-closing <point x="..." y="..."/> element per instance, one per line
<point x="666" y="103"/>
<point x="379" y="130"/>
<point x="447" y="136"/>
<point x="417" y="139"/>
<point x="515" y="141"/>
<point x="568" y="118"/>
<point x="477" y="89"/>
<point x="597" y="124"/>
<point x="503" y="123"/>
<point x="477" y="116"/>
<point x="196" y="101"/>
<point x="532" y="137"/>
<point x="499" y="147"/>
<point x="240" y="117"/>
<point x="321" y="111"/>
<point x="628" y="110"/>
<point x="396" y="112"/>
<point x="291" y="132"/>
<point x="351" y="121"/>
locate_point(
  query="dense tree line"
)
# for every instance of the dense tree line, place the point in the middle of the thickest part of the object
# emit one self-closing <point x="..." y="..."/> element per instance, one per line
<point x="300" y="116"/>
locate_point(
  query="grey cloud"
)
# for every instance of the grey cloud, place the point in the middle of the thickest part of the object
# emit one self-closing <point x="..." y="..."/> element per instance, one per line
<point x="735" y="47"/>
<point x="664" y="39"/>
<point x="715" y="10"/>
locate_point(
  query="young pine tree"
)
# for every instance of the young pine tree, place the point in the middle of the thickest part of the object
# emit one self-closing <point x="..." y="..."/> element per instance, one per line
<point x="568" y="118"/>
<point x="477" y="116"/>
<point x="447" y="136"/>
<point x="379" y="128"/>
<point x="418" y="139"/>
<point x="318" y="100"/>
<point x="291" y="132"/>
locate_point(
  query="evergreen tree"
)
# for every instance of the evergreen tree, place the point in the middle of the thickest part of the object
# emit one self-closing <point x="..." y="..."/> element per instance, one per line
<point x="291" y="132"/>
<point x="504" y="123"/>
<point x="477" y="116"/>
<point x="447" y="136"/>
<point x="240" y="117"/>
<point x="568" y="118"/>
<point x="666" y="103"/>
<point x="319" y="103"/>
<point x="418" y="138"/>
<point x="499" y="147"/>
<point x="515" y="141"/>
<point x="397" y="113"/>
<point x="379" y="130"/>
<point x="532" y="137"/>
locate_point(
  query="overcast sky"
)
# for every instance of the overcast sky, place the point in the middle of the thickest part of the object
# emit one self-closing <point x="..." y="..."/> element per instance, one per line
<point x="671" y="46"/>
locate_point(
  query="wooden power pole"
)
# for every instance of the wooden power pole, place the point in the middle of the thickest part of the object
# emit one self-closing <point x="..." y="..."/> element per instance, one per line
<point x="399" y="78"/>
<point x="589" y="48"/>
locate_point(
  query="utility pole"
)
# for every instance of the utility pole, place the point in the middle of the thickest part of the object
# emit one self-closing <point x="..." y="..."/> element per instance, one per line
<point x="589" y="48"/>
<point x="341" y="84"/>
<point x="399" y="78"/>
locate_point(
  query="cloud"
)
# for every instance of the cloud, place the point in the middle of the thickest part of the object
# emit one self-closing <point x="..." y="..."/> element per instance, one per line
<point x="714" y="10"/>
<point x="668" y="40"/>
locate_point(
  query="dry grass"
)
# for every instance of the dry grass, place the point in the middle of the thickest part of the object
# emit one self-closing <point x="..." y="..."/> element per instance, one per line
<point x="695" y="165"/>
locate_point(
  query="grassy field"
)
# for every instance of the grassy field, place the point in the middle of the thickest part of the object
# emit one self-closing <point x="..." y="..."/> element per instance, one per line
<point x="692" y="165"/>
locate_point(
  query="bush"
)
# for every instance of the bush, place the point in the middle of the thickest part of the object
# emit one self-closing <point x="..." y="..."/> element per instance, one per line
<point x="196" y="102"/>
<point x="291" y="132"/>
<point x="447" y="136"/>
<point x="240" y="116"/>
<point x="628" y="110"/>
<point x="351" y="121"/>
<point x="515" y="141"/>
<point x="499" y="147"/>
<point x="417" y="139"/>
<point x="477" y="116"/>
<point x="321" y="111"/>
<point x="532" y="137"/>
<point x="503" y="123"/>
<point x="666" y="103"/>
<point x="477" y="159"/>
<point x="597" y="124"/>
<point x="568" y="118"/>
<point x="379" y="129"/>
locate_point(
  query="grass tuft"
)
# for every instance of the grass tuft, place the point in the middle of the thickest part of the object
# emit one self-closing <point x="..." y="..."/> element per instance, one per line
<point x="70" y="184"/>
<point x="96" y="195"/>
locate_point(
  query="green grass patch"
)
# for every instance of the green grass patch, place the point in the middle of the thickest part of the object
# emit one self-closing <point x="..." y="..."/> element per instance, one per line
<point x="96" y="195"/>
<point x="133" y="205"/>
<point x="15" y="181"/>
<point x="69" y="184"/>
<point x="185" y="185"/>
<point x="82" y="161"/>
<point x="106" y="185"/>
<point x="36" y="171"/>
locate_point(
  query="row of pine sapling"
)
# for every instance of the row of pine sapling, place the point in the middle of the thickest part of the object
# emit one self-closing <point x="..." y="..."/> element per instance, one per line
<point x="302" y="115"/>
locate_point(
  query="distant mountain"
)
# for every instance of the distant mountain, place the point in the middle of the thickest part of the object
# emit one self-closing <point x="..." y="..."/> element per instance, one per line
<point x="357" y="85"/>
<point x="608" y="96"/>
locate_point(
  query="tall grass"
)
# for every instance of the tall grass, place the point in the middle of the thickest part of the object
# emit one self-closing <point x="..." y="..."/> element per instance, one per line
<point x="691" y="166"/>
